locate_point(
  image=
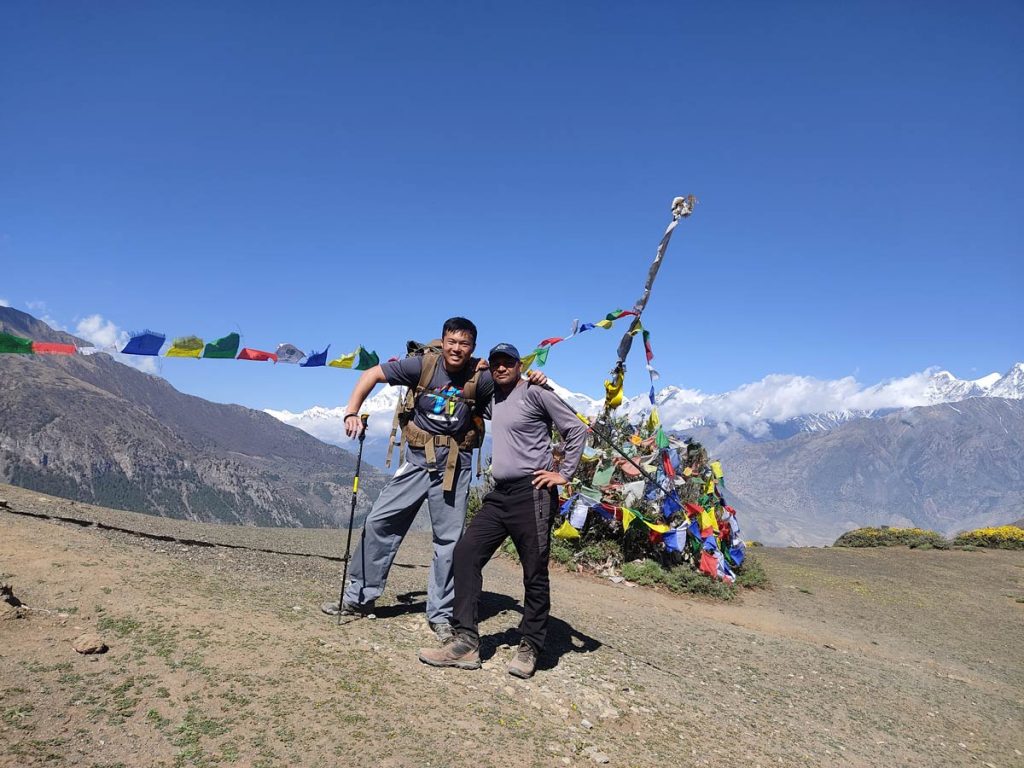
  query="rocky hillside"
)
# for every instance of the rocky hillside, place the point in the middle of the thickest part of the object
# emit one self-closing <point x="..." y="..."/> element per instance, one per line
<point x="944" y="467"/>
<point x="92" y="429"/>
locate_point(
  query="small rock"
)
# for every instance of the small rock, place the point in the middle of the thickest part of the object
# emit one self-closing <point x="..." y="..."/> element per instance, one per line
<point x="89" y="643"/>
<point x="616" y="579"/>
<point x="600" y="758"/>
<point x="587" y="724"/>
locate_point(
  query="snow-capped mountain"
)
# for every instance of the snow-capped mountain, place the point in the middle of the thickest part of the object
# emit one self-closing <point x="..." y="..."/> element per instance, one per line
<point x="774" y="408"/>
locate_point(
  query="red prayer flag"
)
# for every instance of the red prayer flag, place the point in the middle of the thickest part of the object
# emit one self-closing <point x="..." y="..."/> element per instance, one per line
<point x="708" y="564"/>
<point x="255" y="354"/>
<point x="692" y="509"/>
<point x="551" y="342"/>
<point x="52" y="348"/>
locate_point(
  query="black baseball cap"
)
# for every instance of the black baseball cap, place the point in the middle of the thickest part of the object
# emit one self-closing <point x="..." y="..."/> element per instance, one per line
<point x="504" y="349"/>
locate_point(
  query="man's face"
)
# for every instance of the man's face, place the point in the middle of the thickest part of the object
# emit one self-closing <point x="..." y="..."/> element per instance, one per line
<point x="505" y="370"/>
<point x="456" y="347"/>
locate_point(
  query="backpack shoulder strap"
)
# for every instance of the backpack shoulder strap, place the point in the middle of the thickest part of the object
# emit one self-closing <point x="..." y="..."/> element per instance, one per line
<point x="427" y="372"/>
<point x="469" y="389"/>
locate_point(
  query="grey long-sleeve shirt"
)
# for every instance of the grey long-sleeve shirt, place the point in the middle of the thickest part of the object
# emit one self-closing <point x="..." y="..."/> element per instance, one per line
<point x="521" y="430"/>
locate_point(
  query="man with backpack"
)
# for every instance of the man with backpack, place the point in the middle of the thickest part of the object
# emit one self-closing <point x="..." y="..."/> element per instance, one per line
<point x="441" y="422"/>
<point x="522" y="505"/>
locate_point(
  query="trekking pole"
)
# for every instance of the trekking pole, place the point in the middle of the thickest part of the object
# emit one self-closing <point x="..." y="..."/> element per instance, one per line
<point x="605" y="437"/>
<point x="364" y="418"/>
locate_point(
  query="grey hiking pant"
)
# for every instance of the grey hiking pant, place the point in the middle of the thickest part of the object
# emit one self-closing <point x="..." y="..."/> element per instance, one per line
<point x="389" y="521"/>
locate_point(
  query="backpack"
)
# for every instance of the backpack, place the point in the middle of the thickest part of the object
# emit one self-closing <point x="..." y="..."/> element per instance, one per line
<point x="469" y="439"/>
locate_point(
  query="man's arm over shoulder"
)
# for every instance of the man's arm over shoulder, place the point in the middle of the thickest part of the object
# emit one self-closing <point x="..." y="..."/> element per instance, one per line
<point x="403" y="373"/>
<point x="569" y="426"/>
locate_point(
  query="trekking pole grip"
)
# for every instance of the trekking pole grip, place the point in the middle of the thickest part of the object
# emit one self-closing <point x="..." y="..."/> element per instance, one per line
<point x="364" y="418"/>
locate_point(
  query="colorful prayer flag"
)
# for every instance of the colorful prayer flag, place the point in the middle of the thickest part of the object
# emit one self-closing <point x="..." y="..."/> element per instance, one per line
<point x="14" y="345"/>
<point x="366" y="360"/>
<point x="186" y="346"/>
<point x="52" y="348"/>
<point x="256" y="354"/>
<point x="628" y="516"/>
<point x="613" y="390"/>
<point x="145" y="343"/>
<point x="289" y="353"/>
<point x="551" y="342"/>
<point x="603" y="323"/>
<point x="566" y="531"/>
<point x="345" y="361"/>
<point x="316" y="359"/>
<point x="223" y="349"/>
<point x="541" y="356"/>
<point x="716" y="467"/>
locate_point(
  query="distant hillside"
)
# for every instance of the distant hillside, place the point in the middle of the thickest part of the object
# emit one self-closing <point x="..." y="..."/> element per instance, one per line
<point x="92" y="429"/>
<point x="944" y="467"/>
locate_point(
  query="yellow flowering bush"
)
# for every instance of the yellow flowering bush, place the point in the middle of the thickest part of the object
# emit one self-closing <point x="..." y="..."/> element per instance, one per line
<point x="891" y="537"/>
<point x="1003" y="537"/>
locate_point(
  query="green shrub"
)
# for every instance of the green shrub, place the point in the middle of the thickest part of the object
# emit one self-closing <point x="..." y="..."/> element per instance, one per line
<point x="892" y="537"/>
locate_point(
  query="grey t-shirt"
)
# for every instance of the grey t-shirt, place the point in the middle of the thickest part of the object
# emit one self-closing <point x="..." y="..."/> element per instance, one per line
<point x="440" y="410"/>
<point x="521" y="431"/>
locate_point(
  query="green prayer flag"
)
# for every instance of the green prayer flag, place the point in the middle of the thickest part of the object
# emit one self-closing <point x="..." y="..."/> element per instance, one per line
<point x="603" y="475"/>
<point x="366" y="360"/>
<point x="541" y="356"/>
<point x="15" y="345"/>
<point x="661" y="439"/>
<point x="224" y="349"/>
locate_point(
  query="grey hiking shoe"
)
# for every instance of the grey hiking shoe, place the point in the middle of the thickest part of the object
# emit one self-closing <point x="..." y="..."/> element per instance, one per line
<point x="331" y="608"/>
<point x="458" y="652"/>
<point x="443" y="630"/>
<point x="524" y="663"/>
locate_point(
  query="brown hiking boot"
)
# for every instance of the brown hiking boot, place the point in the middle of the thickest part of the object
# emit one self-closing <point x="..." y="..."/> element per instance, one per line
<point x="457" y="652"/>
<point x="525" y="661"/>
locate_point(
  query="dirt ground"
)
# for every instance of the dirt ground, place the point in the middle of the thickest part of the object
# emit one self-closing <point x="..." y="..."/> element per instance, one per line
<point x="220" y="656"/>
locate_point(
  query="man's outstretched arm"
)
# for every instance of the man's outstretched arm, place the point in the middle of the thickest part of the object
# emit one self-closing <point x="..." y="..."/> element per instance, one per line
<point x="369" y="379"/>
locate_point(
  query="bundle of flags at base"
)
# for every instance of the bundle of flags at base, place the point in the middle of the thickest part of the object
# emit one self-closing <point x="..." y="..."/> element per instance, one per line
<point x="684" y="508"/>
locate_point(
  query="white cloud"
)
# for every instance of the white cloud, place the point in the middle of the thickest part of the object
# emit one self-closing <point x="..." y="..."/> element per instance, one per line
<point x="102" y="333"/>
<point x="4" y="303"/>
<point x="779" y="397"/>
<point x="107" y="337"/>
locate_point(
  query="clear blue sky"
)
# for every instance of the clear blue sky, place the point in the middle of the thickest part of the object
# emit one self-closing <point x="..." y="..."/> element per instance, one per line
<point x="356" y="172"/>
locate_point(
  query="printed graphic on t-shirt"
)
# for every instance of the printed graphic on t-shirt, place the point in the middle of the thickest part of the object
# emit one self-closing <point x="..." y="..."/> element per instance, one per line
<point x="444" y="405"/>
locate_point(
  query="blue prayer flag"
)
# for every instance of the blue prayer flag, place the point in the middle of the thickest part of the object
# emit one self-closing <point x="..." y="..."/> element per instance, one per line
<point x="671" y="540"/>
<point x="316" y="359"/>
<point x="145" y="343"/>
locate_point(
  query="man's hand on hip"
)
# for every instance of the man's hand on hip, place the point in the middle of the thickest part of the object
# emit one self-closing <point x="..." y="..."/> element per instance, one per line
<point x="546" y="478"/>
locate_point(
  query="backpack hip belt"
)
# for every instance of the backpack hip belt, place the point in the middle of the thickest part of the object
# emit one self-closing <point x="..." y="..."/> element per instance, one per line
<point x="419" y="438"/>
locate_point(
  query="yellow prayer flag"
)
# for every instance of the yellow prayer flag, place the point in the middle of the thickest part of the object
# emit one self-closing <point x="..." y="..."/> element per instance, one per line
<point x="528" y="361"/>
<point x="603" y="323"/>
<point x="716" y="467"/>
<point x="654" y="420"/>
<point x="566" y="531"/>
<point x="659" y="527"/>
<point x="687" y="471"/>
<point x="627" y="518"/>
<point x="708" y="520"/>
<point x="189" y="346"/>
<point x="613" y="391"/>
<point x="710" y="487"/>
<point x="345" y="361"/>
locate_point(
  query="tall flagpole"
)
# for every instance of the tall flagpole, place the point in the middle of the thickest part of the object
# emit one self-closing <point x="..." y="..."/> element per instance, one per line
<point x="682" y="207"/>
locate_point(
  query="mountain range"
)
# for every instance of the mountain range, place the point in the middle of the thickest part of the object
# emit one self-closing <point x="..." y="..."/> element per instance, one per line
<point x="92" y="429"/>
<point x="805" y="459"/>
<point x="929" y="449"/>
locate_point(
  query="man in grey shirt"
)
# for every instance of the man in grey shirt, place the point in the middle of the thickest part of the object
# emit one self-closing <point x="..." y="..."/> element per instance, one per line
<point x="443" y="417"/>
<point x="522" y="505"/>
